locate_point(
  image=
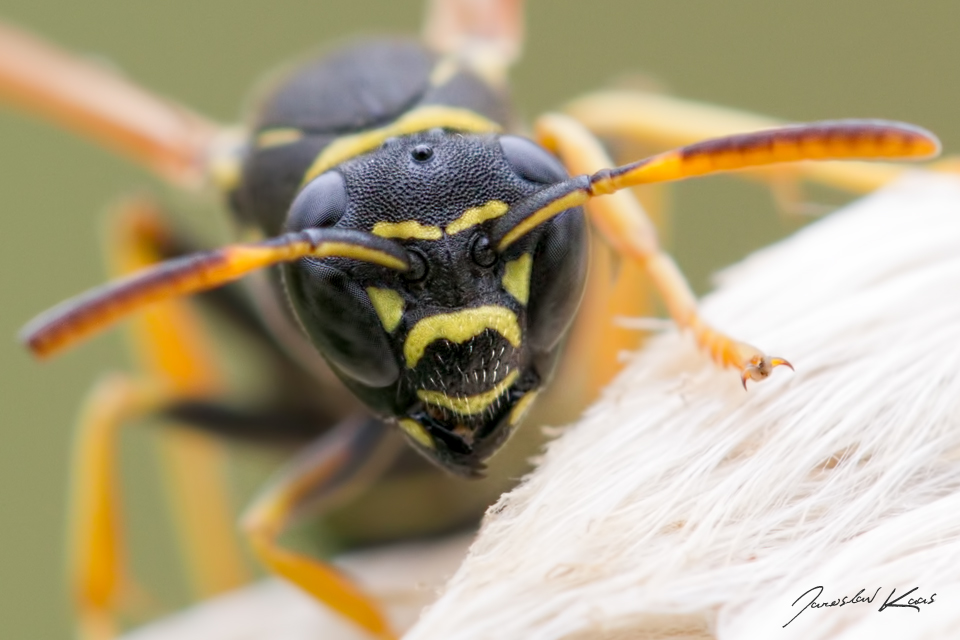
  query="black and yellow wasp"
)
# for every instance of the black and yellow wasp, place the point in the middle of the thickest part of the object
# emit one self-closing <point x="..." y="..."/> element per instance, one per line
<point x="402" y="242"/>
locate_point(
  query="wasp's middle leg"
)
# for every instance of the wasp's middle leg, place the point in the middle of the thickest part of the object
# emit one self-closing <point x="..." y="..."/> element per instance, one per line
<point x="331" y="469"/>
<point x="175" y="363"/>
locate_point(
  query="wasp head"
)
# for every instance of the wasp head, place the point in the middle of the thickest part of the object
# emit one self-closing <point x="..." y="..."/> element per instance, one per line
<point x="455" y="348"/>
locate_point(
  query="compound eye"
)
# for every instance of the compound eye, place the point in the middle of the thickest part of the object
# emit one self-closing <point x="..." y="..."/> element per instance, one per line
<point x="531" y="161"/>
<point x="320" y="204"/>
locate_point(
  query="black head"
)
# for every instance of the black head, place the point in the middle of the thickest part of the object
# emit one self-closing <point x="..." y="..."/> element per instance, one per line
<point x="456" y="348"/>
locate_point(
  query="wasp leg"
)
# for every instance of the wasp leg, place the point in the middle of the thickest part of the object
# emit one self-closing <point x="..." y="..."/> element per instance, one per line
<point x="171" y="350"/>
<point x="486" y="34"/>
<point x="336" y="465"/>
<point x="615" y="288"/>
<point x="97" y="564"/>
<point x="660" y="122"/>
<point x="98" y="576"/>
<point x="91" y="100"/>
<point x="623" y="223"/>
<point x="97" y="571"/>
<point x="170" y="346"/>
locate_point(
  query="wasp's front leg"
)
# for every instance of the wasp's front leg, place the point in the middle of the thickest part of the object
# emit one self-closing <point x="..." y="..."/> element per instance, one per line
<point x="625" y="226"/>
<point x="176" y="364"/>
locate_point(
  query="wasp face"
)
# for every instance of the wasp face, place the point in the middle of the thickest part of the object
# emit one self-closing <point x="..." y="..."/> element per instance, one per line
<point x="456" y="348"/>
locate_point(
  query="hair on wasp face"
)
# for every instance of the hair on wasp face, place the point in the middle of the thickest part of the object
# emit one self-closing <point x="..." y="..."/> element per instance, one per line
<point x="451" y="347"/>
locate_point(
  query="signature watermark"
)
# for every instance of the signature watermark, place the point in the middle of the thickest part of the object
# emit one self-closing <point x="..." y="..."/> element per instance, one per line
<point x="906" y="600"/>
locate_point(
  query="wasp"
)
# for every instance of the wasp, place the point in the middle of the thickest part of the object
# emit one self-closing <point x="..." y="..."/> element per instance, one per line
<point x="410" y="259"/>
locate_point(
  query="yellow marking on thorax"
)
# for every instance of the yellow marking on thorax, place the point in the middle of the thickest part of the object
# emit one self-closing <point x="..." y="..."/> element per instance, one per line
<point x="470" y="405"/>
<point x="516" y="278"/>
<point x="415" y="121"/>
<point x="277" y="137"/>
<point x="409" y="230"/>
<point x="522" y="407"/>
<point x="477" y="215"/>
<point x="459" y="327"/>
<point x="225" y="159"/>
<point x="225" y="173"/>
<point x="389" y="306"/>
<point x="444" y="70"/>
<point x="416" y="431"/>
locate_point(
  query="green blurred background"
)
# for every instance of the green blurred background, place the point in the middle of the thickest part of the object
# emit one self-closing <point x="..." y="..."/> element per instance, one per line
<point x="800" y="61"/>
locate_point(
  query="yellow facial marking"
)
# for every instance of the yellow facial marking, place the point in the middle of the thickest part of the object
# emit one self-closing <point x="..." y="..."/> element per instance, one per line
<point x="523" y="405"/>
<point x="413" y="230"/>
<point x="409" y="230"/>
<point x="470" y="405"/>
<point x="476" y="215"/>
<point x="389" y="306"/>
<point x="277" y="137"/>
<point x="516" y="278"/>
<point x="415" y="121"/>
<point x="573" y="199"/>
<point x="459" y="327"/>
<point x="416" y="431"/>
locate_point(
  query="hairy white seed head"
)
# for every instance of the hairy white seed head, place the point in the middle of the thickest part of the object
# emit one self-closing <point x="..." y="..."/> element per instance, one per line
<point x="682" y="507"/>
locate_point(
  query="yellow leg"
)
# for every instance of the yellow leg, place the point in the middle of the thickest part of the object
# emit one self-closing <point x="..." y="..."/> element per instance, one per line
<point x="335" y="465"/>
<point x="95" y="102"/>
<point x="176" y="365"/>
<point x="97" y="563"/>
<point x="170" y="347"/>
<point x="486" y="34"/>
<point x="625" y="226"/>
<point x="615" y="288"/>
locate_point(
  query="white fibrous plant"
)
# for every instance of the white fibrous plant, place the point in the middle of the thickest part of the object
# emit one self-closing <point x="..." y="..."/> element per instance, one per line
<point x="681" y="506"/>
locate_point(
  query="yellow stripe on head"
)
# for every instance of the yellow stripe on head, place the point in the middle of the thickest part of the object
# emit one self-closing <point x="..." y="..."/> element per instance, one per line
<point x="522" y="407"/>
<point x="389" y="306"/>
<point x="459" y="327"/>
<point x="415" y="121"/>
<point x="469" y="405"/>
<point x="477" y="215"/>
<point x="416" y="431"/>
<point x="516" y="278"/>
<point x="408" y="230"/>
